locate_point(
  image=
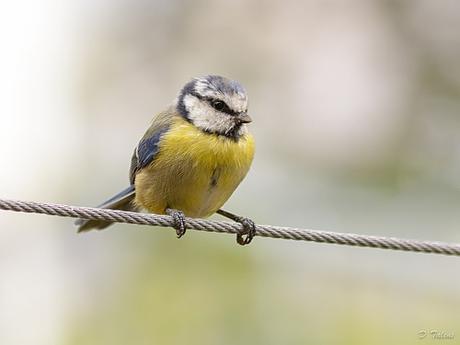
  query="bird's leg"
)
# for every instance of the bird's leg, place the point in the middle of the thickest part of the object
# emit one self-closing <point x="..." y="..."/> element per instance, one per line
<point x="179" y="221"/>
<point x="249" y="227"/>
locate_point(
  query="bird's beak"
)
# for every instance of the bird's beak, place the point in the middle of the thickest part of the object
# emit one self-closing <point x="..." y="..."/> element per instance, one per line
<point x="244" y="118"/>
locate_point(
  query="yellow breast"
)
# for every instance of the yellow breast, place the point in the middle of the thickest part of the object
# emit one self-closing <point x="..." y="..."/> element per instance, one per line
<point x="194" y="172"/>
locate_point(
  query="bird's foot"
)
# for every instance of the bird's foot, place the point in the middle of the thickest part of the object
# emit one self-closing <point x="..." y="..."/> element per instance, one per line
<point x="248" y="232"/>
<point x="179" y="221"/>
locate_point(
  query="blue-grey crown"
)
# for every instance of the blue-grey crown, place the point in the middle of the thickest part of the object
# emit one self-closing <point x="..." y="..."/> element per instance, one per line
<point x="202" y="86"/>
<point x="220" y="84"/>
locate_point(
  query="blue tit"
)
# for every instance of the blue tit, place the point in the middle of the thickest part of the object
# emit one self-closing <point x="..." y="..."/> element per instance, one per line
<point x="192" y="157"/>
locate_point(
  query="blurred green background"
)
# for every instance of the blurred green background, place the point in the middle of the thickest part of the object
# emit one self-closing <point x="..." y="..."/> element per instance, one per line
<point x="356" y="108"/>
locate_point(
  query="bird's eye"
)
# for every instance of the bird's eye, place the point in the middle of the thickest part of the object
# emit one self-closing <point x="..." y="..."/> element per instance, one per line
<point x="218" y="105"/>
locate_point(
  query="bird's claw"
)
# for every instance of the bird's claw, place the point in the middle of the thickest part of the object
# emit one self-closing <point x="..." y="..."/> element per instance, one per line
<point x="248" y="232"/>
<point x="179" y="221"/>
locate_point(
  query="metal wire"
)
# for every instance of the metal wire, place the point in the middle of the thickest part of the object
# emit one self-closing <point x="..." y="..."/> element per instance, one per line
<point x="233" y="228"/>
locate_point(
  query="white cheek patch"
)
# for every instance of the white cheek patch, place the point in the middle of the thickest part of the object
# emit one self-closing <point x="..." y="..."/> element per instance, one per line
<point x="202" y="115"/>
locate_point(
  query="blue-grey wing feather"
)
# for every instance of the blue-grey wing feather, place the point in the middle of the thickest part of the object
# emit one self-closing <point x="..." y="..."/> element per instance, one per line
<point x="121" y="201"/>
<point x="149" y="145"/>
<point x="144" y="154"/>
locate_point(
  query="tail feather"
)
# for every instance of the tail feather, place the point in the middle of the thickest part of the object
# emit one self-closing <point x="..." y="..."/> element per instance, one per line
<point x="121" y="201"/>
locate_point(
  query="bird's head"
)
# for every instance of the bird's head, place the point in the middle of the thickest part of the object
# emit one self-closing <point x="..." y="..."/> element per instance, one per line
<point x="215" y="105"/>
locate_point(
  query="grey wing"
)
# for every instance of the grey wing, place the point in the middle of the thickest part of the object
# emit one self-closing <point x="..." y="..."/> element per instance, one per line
<point x="121" y="201"/>
<point x="148" y="147"/>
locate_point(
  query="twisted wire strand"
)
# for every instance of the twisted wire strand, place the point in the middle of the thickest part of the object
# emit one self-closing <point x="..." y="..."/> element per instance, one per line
<point x="233" y="227"/>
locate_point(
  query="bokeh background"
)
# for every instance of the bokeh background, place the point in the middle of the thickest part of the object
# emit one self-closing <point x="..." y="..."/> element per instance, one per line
<point x="356" y="110"/>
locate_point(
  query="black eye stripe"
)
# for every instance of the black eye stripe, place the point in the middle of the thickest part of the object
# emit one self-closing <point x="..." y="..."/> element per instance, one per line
<point x="224" y="108"/>
<point x="221" y="106"/>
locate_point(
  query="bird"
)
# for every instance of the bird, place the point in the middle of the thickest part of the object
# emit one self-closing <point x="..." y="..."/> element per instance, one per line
<point x="192" y="158"/>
